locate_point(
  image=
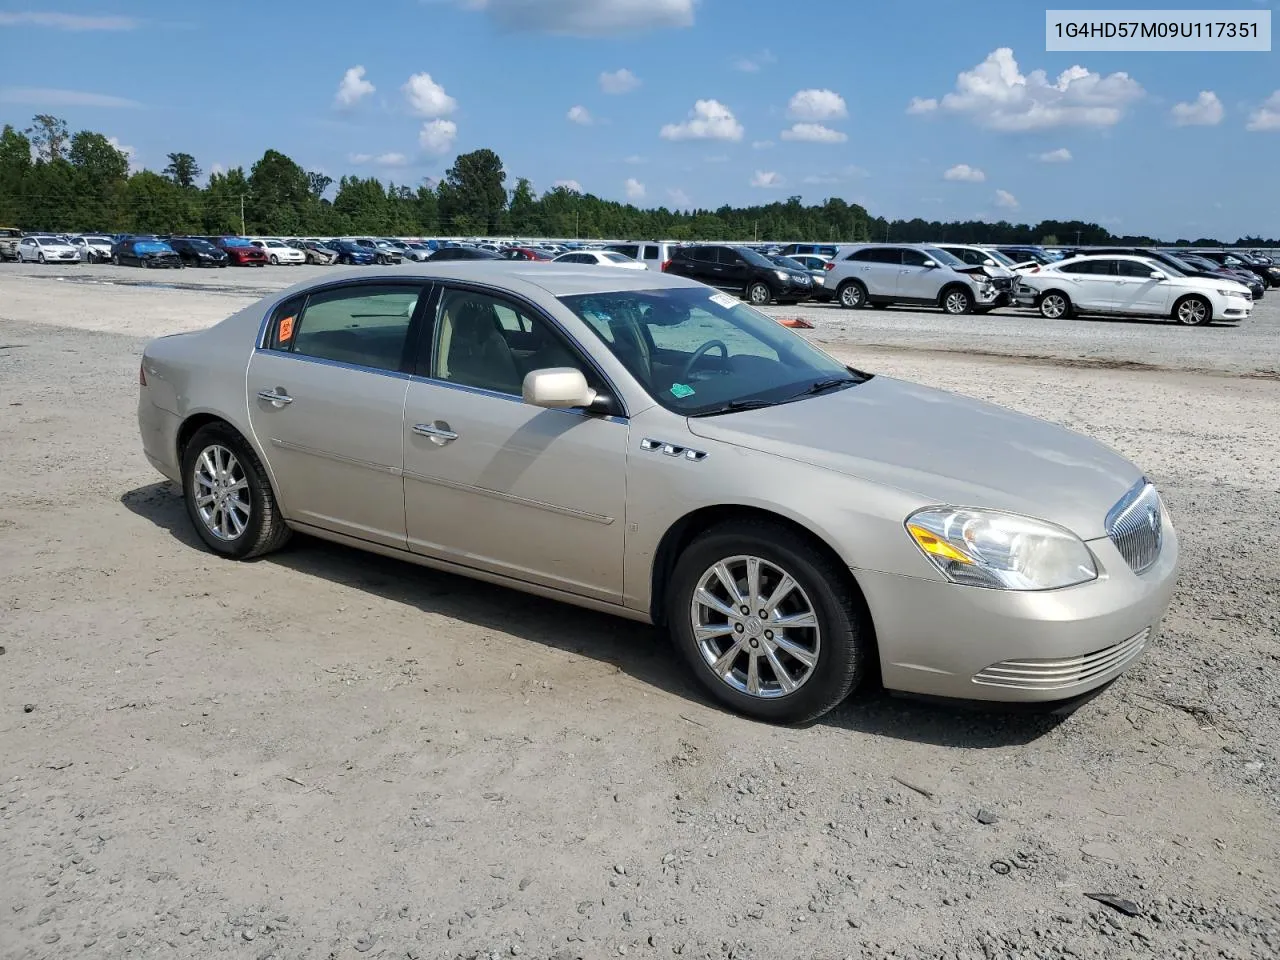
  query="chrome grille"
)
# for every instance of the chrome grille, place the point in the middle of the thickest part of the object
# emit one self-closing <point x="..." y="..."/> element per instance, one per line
<point x="1066" y="672"/>
<point x="1136" y="526"/>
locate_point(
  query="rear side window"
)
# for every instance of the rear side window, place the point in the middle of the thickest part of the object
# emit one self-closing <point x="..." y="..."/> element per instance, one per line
<point x="365" y="325"/>
<point x="651" y="252"/>
<point x="878" y="255"/>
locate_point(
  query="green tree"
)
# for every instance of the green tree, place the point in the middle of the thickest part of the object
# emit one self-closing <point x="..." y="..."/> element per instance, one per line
<point x="222" y="201"/>
<point x="182" y="170"/>
<point x="100" y="174"/>
<point x="472" y="196"/>
<point x="525" y="215"/>
<point x="318" y="184"/>
<point x="15" y="165"/>
<point x="49" y="136"/>
<point x="279" y="195"/>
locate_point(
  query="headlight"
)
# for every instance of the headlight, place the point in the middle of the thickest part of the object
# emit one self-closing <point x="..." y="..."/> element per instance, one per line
<point x="1004" y="551"/>
<point x="782" y="275"/>
<point x="1230" y="293"/>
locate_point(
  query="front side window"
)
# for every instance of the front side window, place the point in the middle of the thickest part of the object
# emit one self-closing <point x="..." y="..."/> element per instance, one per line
<point x="490" y="343"/>
<point x="699" y="352"/>
<point x="1132" y="268"/>
<point x="913" y="258"/>
<point x="365" y="325"/>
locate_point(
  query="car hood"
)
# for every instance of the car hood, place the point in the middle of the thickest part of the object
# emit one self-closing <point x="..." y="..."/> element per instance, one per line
<point x="942" y="447"/>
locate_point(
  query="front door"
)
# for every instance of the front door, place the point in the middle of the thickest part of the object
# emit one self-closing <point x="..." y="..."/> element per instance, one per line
<point x="326" y="402"/>
<point x="1136" y="291"/>
<point x="915" y="280"/>
<point x="734" y="270"/>
<point x="497" y="484"/>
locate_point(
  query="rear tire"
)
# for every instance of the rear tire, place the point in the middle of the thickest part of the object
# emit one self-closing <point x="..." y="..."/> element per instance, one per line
<point x="1055" y="305"/>
<point x="1193" y="311"/>
<point x="852" y="295"/>
<point x="759" y="294"/>
<point x="835" y="649"/>
<point x="253" y="505"/>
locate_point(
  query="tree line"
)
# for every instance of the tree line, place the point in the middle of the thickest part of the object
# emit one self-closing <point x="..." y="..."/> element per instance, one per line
<point x="52" y="179"/>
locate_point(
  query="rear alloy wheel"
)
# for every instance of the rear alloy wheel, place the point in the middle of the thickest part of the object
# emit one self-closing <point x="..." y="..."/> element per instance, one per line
<point x="852" y="295"/>
<point x="759" y="294"/>
<point x="1193" y="312"/>
<point x="1054" y="305"/>
<point x="766" y="623"/>
<point x="229" y="499"/>
<point x="957" y="301"/>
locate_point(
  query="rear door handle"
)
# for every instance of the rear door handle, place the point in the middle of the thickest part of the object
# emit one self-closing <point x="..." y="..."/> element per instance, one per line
<point x="437" y="432"/>
<point x="275" y="396"/>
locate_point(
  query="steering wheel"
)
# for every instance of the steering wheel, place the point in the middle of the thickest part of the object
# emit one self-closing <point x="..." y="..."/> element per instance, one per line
<point x="701" y="352"/>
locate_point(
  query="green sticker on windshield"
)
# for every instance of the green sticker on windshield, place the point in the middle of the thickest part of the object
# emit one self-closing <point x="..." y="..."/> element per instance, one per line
<point x="681" y="390"/>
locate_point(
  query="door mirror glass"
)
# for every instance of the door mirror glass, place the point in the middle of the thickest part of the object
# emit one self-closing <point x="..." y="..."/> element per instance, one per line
<point x="988" y="263"/>
<point x="1157" y="275"/>
<point x="557" y="388"/>
<point x="928" y="263"/>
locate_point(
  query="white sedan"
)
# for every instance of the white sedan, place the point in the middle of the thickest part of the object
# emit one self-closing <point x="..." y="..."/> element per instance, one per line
<point x="47" y="250"/>
<point x="93" y="249"/>
<point x="600" y="258"/>
<point x="278" y="252"/>
<point x="1131" y="286"/>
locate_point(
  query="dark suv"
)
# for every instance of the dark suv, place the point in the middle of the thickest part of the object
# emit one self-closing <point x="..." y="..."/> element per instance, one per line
<point x="742" y="272"/>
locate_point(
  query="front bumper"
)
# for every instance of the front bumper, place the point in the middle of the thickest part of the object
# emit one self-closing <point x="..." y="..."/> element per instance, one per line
<point x="944" y="640"/>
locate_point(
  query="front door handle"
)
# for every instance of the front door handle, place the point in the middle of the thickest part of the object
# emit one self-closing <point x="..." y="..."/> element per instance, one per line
<point x="277" y="396"/>
<point x="437" y="432"/>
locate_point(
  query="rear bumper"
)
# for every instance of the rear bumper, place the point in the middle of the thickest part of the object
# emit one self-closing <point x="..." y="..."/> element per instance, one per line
<point x="944" y="640"/>
<point x="159" y="431"/>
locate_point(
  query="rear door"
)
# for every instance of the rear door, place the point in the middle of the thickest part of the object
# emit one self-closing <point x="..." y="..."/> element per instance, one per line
<point x="499" y="485"/>
<point x="326" y="403"/>
<point x="1091" y="284"/>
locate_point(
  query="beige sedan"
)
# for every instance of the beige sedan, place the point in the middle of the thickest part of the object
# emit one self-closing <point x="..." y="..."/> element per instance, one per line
<point x="641" y="444"/>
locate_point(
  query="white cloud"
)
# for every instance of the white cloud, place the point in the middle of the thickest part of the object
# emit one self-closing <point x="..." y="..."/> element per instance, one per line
<point x="766" y="178"/>
<point x="761" y="144"/>
<point x="1267" y="116"/>
<point x="619" y="81"/>
<point x="1061" y="155"/>
<point x="964" y="174"/>
<point x="587" y="18"/>
<point x="579" y="115"/>
<point x="573" y="185"/>
<point x="1006" y="199"/>
<point x="359" y="158"/>
<point x="391" y="160"/>
<point x="437" y="136"/>
<point x="997" y="96"/>
<point x="427" y="98"/>
<point x="813" y="133"/>
<point x="352" y="88"/>
<point x="1204" y="111"/>
<point x="634" y="189"/>
<point x="49" y="97"/>
<point x="129" y="152"/>
<point x="66" y="21"/>
<point x="635" y="158"/>
<point x="708" y="120"/>
<point x="817" y="105"/>
<point x="679" y="199"/>
<point x="755" y="62"/>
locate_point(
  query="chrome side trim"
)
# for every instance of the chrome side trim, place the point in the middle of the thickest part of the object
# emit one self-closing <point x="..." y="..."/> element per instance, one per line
<point x="337" y="457"/>
<point x="650" y="445"/>
<point x="509" y="497"/>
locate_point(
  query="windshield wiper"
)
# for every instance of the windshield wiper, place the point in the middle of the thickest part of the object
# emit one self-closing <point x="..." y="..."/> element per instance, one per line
<point x="733" y="406"/>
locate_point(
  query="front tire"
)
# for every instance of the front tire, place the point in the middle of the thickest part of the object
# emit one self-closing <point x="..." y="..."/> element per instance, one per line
<point x="1055" y="305"/>
<point x="229" y="499"/>
<point x="759" y="294"/>
<point x="957" y="301"/>
<point x="1193" y="311"/>
<point x="40" y="258"/>
<point x="852" y="295"/>
<point x="794" y="663"/>
<point x="275" y="261"/>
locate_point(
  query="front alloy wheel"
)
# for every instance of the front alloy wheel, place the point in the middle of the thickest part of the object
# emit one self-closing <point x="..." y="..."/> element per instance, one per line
<point x="1193" y="312"/>
<point x="957" y="302"/>
<point x="759" y="294"/>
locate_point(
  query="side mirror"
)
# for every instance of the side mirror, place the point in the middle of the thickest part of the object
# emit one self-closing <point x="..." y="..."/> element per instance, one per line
<point x="1157" y="275"/>
<point x="929" y="263"/>
<point x="988" y="263"/>
<point x="557" y="388"/>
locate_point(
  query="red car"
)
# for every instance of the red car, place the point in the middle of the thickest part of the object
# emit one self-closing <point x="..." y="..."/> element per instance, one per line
<point x="240" y="252"/>
<point x="527" y="253"/>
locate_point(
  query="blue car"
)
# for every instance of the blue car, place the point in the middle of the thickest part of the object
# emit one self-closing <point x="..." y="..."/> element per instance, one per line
<point x="353" y="254"/>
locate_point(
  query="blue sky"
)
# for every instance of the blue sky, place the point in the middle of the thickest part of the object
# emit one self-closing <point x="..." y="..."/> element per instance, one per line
<point x="929" y="108"/>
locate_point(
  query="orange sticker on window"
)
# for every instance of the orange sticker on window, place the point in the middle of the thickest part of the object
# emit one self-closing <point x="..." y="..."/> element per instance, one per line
<point x="286" y="330"/>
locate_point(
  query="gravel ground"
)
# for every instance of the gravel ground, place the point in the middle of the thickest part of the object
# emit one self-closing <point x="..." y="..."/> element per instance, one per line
<point x="330" y="754"/>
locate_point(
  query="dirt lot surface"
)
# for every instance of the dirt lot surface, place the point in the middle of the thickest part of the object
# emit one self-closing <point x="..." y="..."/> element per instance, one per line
<point x="329" y="754"/>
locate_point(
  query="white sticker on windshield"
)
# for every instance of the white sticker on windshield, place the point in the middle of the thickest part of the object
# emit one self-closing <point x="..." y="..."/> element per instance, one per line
<point x="724" y="300"/>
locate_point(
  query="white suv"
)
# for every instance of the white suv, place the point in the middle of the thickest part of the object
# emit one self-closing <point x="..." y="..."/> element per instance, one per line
<point x="1132" y="286"/>
<point x="654" y="254"/>
<point x="881" y="273"/>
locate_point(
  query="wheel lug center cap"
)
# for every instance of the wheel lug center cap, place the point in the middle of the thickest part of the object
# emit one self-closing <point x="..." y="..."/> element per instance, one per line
<point x="754" y="626"/>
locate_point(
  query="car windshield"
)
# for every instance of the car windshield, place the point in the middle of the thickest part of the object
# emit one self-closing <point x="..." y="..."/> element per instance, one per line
<point x="236" y="242"/>
<point x="204" y="246"/>
<point x="698" y="352"/>
<point x="998" y="257"/>
<point x="788" y="263"/>
<point x="754" y="258"/>
<point x="1169" y="266"/>
<point x="944" y="258"/>
<point x="97" y="241"/>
